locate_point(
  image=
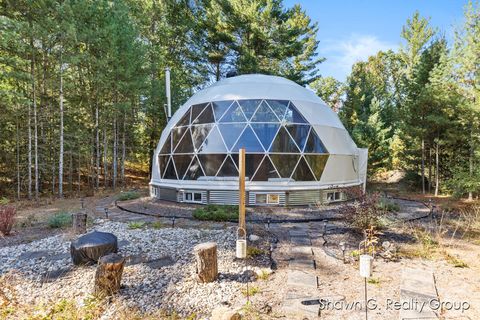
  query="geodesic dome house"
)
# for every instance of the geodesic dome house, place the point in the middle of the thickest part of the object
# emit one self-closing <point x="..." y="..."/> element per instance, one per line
<point x="297" y="150"/>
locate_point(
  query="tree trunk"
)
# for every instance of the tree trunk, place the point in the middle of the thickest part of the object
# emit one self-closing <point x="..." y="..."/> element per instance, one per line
<point x="18" y="156"/>
<point x="105" y="164"/>
<point x="97" y="143"/>
<point x="206" y="261"/>
<point x="109" y="275"/>
<point x="70" y="174"/>
<point x="114" y="181"/>
<point x="122" y="165"/>
<point x="470" y="160"/>
<point x="437" y="168"/>
<point x="60" y="155"/>
<point x="423" y="166"/>
<point x="79" y="170"/>
<point x="32" y="75"/>
<point x="79" y="220"/>
<point x="430" y="168"/>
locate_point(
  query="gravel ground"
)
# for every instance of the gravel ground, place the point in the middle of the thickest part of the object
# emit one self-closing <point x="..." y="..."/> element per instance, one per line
<point x="41" y="271"/>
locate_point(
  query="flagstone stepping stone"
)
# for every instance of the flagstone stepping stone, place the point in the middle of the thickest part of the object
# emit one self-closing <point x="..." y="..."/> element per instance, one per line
<point x="29" y="255"/>
<point x="298" y="233"/>
<point x="55" y="274"/>
<point x="301" y="264"/>
<point x="302" y="279"/>
<point x="418" y="286"/>
<point x="302" y="241"/>
<point x="160" y="262"/>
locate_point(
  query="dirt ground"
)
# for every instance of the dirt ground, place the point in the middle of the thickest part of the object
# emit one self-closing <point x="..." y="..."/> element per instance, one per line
<point x="439" y="245"/>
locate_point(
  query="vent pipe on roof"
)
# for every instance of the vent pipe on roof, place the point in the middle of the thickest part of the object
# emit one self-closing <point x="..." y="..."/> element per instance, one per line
<point x="167" y="90"/>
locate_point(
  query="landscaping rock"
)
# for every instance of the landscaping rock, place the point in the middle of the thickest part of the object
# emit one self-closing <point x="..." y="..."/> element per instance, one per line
<point x="223" y="313"/>
<point x="253" y="238"/>
<point x="89" y="248"/>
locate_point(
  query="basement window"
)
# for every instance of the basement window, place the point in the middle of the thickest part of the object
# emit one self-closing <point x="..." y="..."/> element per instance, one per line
<point x="334" y="196"/>
<point x="191" y="196"/>
<point x="267" y="198"/>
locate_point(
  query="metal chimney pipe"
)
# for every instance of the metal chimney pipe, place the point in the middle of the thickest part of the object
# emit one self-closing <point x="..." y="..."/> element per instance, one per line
<point x="169" y="97"/>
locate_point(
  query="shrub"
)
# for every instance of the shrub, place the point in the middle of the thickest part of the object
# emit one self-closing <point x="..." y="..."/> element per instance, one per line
<point x="216" y="213"/>
<point x="7" y="219"/>
<point x="60" y="220"/>
<point x="129" y="195"/>
<point x="364" y="212"/>
<point x="387" y="205"/>
<point x="136" y="225"/>
<point x="254" y="251"/>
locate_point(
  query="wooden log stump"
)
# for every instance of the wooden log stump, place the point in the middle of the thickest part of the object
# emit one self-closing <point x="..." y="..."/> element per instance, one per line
<point x="109" y="275"/>
<point x="79" y="222"/>
<point x="206" y="261"/>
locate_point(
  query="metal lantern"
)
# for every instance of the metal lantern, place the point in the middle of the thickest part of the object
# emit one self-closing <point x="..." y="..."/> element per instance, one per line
<point x="241" y="251"/>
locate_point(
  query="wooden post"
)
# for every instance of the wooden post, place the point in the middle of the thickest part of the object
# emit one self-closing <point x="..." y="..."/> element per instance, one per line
<point x="108" y="275"/>
<point x="241" y="189"/>
<point x="206" y="261"/>
<point x="79" y="222"/>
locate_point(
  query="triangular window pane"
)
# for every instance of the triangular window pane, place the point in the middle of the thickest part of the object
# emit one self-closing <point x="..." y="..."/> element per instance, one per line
<point x="194" y="171"/>
<point x="186" y="144"/>
<point x="199" y="133"/>
<point x="252" y="161"/>
<point x="228" y="169"/>
<point x="285" y="163"/>
<point x="182" y="162"/>
<point x="177" y="134"/>
<point x="196" y="110"/>
<point x="249" y="107"/>
<point x="167" y="146"/>
<point x="314" y="144"/>
<point x="231" y="132"/>
<point x="303" y="172"/>
<point x="162" y="164"/>
<point x="219" y="108"/>
<point x="317" y="163"/>
<point x="264" y="114"/>
<point x="185" y="121"/>
<point x="233" y="114"/>
<point x="292" y="115"/>
<point x="170" y="171"/>
<point x="206" y="116"/>
<point x="211" y="163"/>
<point x="299" y="133"/>
<point x="265" y="171"/>
<point x="265" y="132"/>
<point x="279" y="107"/>
<point x="249" y="141"/>
<point x="213" y="143"/>
<point x="283" y="142"/>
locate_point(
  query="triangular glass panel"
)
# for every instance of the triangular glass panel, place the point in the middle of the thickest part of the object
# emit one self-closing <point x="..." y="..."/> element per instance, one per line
<point x="177" y="135"/>
<point x="285" y="163"/>
<point x="186" y="144"/>
<point x="228" y="169"/>
<point x="264" y="114"/>
<point x="283" y="142"/>
<point x="234" y="114"/>
<point x="279" y="107"/>
<point x="199" y="133"/>
<point x="167" y="146"/>
<point x="182" y="163"/>
<point x="162" y="164"/>
<point x="170" y="171"/>
<point x="219" y="108"/>
<point x="213" y="143"/>
<point x="317" y="163"/>
<point x="194" y="171"/>
<point x="196" y="110"/>
<point x="293" y="116"/>
<point x="211" y="163"/>
<point x="314" y="144"/>
<point x="231" y="132"/>
<point x="265" y="132"/>
<point x="249" y="107"/>
<point x="265" y="171"/>
<point x="206" y="116"/>
<point x="252" y="161"/>
<point x="185" y="121"/>
<point x="249" y="141"/>
<point x="299" y="133"/>
<point x="302" y="172"/>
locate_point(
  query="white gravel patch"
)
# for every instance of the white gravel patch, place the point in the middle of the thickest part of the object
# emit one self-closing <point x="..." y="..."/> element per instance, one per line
<point x="172" y="287"/>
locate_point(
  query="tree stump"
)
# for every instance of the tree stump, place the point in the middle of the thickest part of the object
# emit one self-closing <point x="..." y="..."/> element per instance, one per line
<point x="79" y="222"/>
<point x="206" y="261"/>
<point x="109" y="275"/>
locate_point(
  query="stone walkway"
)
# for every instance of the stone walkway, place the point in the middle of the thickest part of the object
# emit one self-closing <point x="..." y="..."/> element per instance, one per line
<point x="417" y="291"/>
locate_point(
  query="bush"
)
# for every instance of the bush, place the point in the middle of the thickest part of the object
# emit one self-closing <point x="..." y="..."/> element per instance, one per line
<point x="364" y="212"/>
<point x="129" y="195"/>
<point x="7" y="219"/>
<point x="388" y="205"/>
<point x="60" y="220"/>
<point x="216" y="213"/>
<point x="136" y="225"/>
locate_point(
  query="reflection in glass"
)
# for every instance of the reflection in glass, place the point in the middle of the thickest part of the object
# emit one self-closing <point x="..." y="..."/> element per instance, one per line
<point x="177" y="134"/>
<point x="265" y="132"/>
<point x="279" y="107"/>
<point x="264" y="114"/>
<point x="185" y="145"/>
<point x="199" y="133"/>
<point x="265" y="171"/>
<point x="249" y="107"/>
<point x="292" y="115"/>
<point x="211" y="162"/>
<point x="166" y="149"/>
<point x="252" y="161"/>
<point x="249" y="141"/>
<point x="317" y="163"/>
<point x="219" y="108"/>
<point x="314" y="144"/>
<point x="283" y="142"/>
<point x="228" y="169"/>
<point x="162" y="164"/>
<point x="285" y="163"/>
<point x="213" y="143"/>
<point x="303" y="172"/>
<point x="196" y="109"/>
<point x="185" y="121"/>
<point x="181" y="163"/>
<point x="233" y="114"/>
<point x="194" y="171"/>
<point x="206" y="116"/>
<point x="231" y="132"/>
<point x="299" y="133"/>
<point x="170" y="171"/>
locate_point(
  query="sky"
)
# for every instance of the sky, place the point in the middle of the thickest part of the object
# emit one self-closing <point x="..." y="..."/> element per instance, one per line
<point x="352" y="30"/>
